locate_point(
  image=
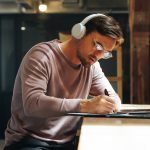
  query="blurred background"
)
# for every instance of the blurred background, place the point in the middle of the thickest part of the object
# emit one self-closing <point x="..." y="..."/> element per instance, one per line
<point x="24" y="23"/>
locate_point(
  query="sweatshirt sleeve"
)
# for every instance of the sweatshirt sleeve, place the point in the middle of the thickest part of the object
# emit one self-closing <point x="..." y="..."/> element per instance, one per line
<point x="100" y="83"/>
<point x="35" y="74"/>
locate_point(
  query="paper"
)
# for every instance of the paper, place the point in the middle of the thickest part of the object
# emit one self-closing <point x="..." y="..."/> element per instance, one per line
<point x="122" y="114"/>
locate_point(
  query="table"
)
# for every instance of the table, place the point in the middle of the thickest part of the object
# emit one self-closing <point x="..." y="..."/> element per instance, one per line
<point x="115" y="133"/>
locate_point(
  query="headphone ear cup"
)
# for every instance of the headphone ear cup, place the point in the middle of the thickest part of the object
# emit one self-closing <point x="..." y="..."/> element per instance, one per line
<point x="78" y="30"/>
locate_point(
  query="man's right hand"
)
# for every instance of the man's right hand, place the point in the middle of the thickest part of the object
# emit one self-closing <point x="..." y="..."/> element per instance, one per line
<point x="101" y="104"/>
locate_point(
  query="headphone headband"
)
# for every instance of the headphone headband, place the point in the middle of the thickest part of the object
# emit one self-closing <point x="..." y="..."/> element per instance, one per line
<point x="79" y="29"/>
<point x="88" y="18"/>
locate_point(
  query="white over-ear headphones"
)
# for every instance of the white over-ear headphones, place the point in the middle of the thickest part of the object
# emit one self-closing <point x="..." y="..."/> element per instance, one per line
<point x="79" y="29"/>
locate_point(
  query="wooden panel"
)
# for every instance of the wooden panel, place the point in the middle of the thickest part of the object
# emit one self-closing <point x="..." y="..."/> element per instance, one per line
<point x="140" y="47"/>
<point x="119" y="71"/>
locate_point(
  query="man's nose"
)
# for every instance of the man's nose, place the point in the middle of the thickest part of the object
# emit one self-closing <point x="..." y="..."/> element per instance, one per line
<point x="98" y="54"/>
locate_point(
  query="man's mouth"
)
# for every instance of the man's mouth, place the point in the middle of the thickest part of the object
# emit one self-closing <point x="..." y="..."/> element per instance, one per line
<point x="93" y="58"/>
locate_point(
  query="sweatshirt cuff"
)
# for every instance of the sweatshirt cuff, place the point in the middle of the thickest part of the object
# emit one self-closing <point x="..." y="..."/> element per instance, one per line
<point x="70" y="105"/>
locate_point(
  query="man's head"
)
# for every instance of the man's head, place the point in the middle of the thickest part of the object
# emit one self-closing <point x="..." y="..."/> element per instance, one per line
<point x="97" y="35"/>
<point x="100" y="23"/>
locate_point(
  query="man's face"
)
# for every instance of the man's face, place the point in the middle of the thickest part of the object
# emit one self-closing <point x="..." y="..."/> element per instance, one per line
<point x="93" y="47"/>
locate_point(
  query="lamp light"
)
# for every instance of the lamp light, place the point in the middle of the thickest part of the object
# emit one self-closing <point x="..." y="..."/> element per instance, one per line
<point x="42" y="6"/>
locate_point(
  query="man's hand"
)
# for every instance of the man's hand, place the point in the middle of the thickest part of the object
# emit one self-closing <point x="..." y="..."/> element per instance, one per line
<point x="99" y="104"/>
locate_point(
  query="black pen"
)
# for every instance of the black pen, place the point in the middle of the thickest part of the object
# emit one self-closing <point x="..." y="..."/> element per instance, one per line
<point x="106" y="92"/>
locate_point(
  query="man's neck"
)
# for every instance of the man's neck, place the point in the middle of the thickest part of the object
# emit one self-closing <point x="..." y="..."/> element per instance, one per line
<point x="69" y="49"/>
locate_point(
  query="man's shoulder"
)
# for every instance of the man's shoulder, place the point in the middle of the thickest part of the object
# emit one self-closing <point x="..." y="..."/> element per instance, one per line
<point x="46" y="45"/>
<point x="97" y="68"/>
<point x="96" y="65"/>
<point x="44" y="48"/>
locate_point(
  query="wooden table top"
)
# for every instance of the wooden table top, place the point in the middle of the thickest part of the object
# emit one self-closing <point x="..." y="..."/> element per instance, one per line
<point x="115" y="133"/>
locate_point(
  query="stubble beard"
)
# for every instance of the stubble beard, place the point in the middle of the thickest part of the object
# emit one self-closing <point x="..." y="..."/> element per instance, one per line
<point x="82" y="60"/>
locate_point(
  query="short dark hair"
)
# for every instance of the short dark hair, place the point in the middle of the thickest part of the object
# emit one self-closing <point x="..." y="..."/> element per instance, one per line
<point x="107" y="26"/>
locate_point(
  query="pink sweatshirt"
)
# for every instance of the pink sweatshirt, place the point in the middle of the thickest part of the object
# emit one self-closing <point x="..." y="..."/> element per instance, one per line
<point x="47" y="86"/>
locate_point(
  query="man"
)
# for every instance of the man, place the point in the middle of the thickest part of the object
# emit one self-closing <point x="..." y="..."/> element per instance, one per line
<point x="56" y="78"/>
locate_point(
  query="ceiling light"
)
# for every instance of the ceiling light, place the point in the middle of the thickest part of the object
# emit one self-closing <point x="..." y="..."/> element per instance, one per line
<point x="42" y="7"/>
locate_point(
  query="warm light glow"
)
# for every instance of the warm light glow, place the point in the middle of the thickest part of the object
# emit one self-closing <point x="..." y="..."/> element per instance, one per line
<point x="42" y="7"/>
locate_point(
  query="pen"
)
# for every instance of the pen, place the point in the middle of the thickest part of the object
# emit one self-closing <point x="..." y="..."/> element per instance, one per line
<point x="106" y="92"/>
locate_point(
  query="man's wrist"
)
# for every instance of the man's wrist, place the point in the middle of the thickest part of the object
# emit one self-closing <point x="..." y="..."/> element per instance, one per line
<point x="84" y="105"/>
